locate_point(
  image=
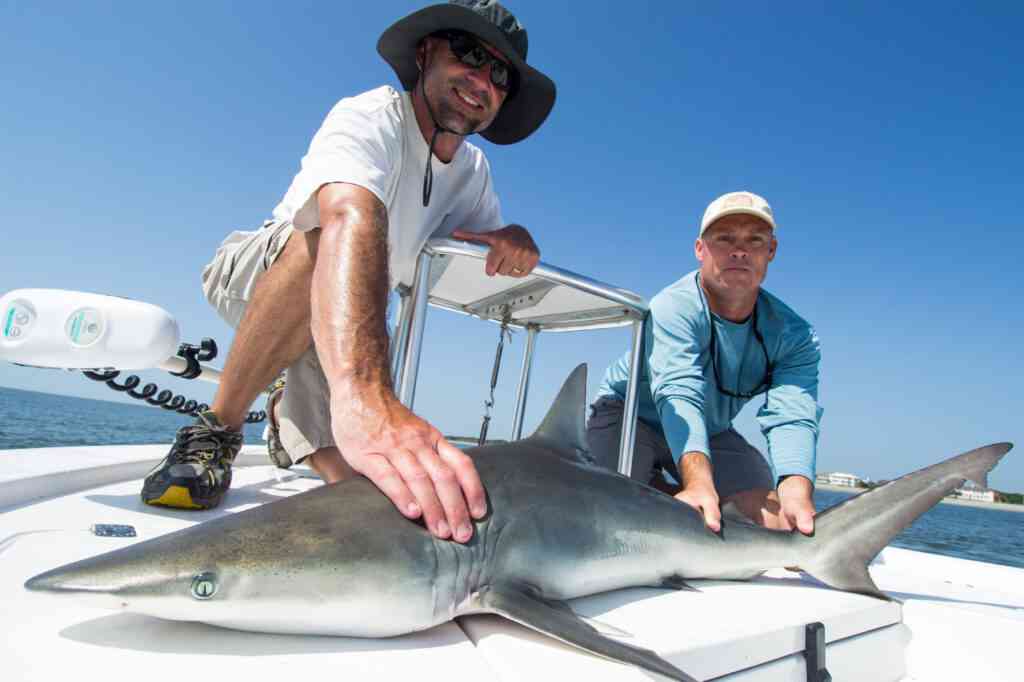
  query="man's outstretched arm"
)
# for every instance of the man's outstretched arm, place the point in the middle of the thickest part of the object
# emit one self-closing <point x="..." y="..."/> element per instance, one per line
<point x="405" y="456"/>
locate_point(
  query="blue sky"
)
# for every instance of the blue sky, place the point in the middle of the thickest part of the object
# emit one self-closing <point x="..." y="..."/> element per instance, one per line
<point x="134" y="137"/>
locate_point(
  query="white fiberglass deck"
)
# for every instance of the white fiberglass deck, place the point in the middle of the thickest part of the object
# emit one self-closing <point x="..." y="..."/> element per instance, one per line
<point x="959" y="620"/>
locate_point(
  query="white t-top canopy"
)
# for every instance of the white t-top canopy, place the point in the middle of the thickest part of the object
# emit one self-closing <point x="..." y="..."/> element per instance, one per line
<point x="550" y="298"/>
<point x="450" y="274"/>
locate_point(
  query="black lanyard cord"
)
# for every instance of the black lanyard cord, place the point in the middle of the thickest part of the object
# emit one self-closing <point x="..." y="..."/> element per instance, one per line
<point x="766" y="383"/>
<point x="428" y="174"/>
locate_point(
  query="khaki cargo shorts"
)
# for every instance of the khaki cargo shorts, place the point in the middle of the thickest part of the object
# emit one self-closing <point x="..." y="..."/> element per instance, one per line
<point x="736" y="464"/>
<point x="303" y="411"/>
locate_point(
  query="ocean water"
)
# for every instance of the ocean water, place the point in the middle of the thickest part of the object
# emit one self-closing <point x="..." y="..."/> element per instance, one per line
<point x="993" y="535"/>
<point x="41" y="420"/>
<point x="29" y="420"/>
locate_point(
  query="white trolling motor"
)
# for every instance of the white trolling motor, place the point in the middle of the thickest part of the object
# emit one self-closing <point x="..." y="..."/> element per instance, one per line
<point x="76" y="330"/>
<point x="102" y="336"/>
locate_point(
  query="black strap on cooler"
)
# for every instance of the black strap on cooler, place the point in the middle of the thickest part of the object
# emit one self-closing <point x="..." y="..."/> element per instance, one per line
<point x="814" y="653"/>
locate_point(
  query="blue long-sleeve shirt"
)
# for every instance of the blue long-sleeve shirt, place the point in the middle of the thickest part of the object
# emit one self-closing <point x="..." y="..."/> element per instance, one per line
<point x="677" y="392"/>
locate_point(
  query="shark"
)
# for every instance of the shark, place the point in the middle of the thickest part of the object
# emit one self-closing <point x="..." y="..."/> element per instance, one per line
<point x="340" y="560"/>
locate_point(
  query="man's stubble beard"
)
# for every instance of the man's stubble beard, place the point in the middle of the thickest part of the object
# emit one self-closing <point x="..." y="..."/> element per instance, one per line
<point x="454" y="118"/>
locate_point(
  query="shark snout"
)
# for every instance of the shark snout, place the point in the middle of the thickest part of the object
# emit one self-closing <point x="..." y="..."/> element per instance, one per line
<point x="58" y="583"/>
<point x="47" y="582"/>
<point x="68" y="580"/>
<point x="110" y="580"/>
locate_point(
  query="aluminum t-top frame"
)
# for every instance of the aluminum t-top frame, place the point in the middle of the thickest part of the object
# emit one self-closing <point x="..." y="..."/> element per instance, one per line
<point x="450" y="275"/>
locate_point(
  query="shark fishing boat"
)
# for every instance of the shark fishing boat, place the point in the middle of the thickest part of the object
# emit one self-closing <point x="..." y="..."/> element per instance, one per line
<point x="575" y="572"/>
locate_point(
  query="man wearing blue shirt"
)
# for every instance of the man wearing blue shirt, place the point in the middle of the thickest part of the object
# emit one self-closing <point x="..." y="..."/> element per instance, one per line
<point x="714" y="341"/>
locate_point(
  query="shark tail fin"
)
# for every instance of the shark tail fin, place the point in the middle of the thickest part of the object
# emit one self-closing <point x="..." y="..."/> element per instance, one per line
<point x="850" y="534"/>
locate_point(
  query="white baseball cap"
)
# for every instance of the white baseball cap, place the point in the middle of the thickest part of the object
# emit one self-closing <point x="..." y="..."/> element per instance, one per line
<point x="737" y="202"/>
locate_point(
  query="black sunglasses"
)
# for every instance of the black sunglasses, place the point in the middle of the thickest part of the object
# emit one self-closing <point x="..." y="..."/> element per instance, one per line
<point x="470" y="52"/>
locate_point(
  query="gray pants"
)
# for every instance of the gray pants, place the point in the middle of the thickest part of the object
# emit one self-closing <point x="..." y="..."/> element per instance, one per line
<point x="737" y="464"/>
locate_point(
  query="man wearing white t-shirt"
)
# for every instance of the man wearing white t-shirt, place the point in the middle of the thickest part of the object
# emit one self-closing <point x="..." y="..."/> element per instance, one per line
<point x="308" y="292"/>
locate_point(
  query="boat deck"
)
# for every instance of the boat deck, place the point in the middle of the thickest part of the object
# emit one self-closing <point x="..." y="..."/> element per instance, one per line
<point x="958" y="619"/>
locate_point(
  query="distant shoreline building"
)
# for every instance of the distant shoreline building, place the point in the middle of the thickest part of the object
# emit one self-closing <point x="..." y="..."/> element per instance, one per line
<point x="841" y="479"/>
<point x="970" y="491"/>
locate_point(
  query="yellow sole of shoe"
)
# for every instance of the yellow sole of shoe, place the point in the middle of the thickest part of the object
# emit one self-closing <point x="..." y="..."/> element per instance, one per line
<point x="175" y="496"/>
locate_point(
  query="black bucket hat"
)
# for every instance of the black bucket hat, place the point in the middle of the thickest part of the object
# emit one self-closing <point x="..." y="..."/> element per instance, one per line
<point x="523" y="111"/>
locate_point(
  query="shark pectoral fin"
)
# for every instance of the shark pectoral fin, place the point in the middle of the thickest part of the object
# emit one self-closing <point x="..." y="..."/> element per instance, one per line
<point x="676" y="582"/>
<point x="603" y="628"/>
<point x="525" y="606"/>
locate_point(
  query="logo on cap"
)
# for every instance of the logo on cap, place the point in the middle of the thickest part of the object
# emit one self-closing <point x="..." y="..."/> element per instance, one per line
<point x="738" y="201"/>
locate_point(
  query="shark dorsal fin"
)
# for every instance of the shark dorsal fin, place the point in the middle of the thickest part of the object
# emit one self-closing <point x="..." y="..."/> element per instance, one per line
<point x="565" y="426"/>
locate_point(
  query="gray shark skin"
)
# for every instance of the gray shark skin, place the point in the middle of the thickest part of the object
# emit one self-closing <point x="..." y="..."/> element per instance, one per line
<point x="340" y="560"/>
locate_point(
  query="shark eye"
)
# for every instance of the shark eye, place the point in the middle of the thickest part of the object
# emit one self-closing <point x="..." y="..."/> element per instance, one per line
<point x="204" y="586"/>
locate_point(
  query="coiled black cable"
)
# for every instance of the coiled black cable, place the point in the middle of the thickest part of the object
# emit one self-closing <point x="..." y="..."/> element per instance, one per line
<point x="153" y="395"/>
<point x="163" y="398"/>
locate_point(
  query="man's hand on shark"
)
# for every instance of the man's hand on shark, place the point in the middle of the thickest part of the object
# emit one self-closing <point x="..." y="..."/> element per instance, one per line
<point x="410" y="462"/>
<point x="513" y="252"/>
<point x="705" y="500"/>
<point x="795" y="496"/>
<point x="699" y="488"/>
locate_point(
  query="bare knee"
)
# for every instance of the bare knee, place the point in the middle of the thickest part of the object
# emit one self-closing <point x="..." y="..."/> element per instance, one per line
<point x="298" y="255"/>
<point x="330" y="465"/>
<point x="761" y="506"/>
<point x="311" y="243"/>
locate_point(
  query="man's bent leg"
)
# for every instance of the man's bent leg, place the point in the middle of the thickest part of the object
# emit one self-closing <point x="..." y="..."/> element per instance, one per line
<point x="604" y="433"/>
<point x="273" y="333"/>
<point x="260" y="282"/>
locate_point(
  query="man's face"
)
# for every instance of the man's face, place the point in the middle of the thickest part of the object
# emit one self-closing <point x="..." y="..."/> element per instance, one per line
<point x="734" y="253"/>
<point x="464" y="98"/>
